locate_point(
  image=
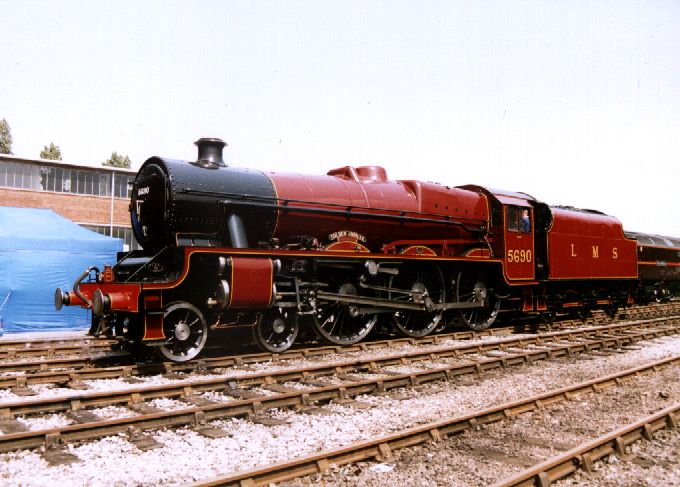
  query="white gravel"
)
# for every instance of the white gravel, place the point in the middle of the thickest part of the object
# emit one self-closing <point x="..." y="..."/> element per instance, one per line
<point x="45" y="421"/>
<point x="489" y="453"/>
<point x="115" y="461"/>
<point x="45" y="391"/>
<point x="656" y="463"/>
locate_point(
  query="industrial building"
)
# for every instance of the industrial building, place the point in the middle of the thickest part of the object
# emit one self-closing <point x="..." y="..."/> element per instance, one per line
<point x="93" y="197"/>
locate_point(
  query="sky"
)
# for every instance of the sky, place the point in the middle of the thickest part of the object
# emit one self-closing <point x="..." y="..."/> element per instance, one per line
<point x="576" y="103"/>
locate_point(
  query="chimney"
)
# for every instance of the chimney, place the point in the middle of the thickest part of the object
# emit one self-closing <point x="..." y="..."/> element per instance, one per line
<point x="210" y="153"/>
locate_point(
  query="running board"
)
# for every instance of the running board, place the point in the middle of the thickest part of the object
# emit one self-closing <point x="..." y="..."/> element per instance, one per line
<point x="389" y="304"/>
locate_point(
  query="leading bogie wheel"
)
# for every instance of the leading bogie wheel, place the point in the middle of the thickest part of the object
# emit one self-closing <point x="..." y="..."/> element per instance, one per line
<point x="276" y="330"/>
<point x="185" y="331"/>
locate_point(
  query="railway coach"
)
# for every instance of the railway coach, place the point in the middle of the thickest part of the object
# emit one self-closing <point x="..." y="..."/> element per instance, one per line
<point x="231" y="247"/>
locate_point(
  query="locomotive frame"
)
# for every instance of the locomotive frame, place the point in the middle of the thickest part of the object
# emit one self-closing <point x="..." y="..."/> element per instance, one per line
<point x="345" y="252"/>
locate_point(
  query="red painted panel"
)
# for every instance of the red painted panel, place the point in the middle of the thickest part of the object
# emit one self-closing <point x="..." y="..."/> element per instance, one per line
<point x="589" y="245"/>
<point x="418" y="250"/>
<point x="87" y="290"/>
<point x="368" y="191"/>
<point x="346" y="246"/>
<point x="153" y="327"/>
<point x="73" y="300"/>
<point x="520" y="256"/>
<point x="153" y="318"/>
<point x="124" y="297"/>
<point x="251" y="283"/>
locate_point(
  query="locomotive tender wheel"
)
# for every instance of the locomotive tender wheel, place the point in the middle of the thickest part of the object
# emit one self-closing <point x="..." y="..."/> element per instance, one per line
<point x="548" y="317"/>
<point x="471" y="289"/>
<point x="611" y="309"/>
<point x="276" y="330"/>
<point x="341" y="323"/>
<point x="186" y="331"/>
<point x="583" y="313"/>
<point x="423" y="284"/>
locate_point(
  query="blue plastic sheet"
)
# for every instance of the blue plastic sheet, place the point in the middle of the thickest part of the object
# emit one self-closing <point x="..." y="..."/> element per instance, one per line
<point x="40" y="251"/>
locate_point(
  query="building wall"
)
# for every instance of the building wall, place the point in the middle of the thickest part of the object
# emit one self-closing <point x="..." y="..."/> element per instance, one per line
<point x="94" y="210"/>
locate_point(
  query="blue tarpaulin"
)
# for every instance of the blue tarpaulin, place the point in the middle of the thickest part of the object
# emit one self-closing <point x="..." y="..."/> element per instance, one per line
<point x="39" y="252"/>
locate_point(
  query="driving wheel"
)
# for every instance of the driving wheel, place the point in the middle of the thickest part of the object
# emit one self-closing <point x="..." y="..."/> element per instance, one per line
<point x="342" y="323"/>
<point x="420" y="284"/>
<point x="471" y="288"/>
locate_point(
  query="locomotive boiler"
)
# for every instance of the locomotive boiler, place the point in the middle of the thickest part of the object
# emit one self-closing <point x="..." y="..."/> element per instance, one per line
<point x="340" y="253"/>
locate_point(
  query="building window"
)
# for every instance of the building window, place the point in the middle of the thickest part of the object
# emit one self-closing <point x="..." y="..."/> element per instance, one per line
<point x="120" y="189"/>
<point x="101" y="229"/>
<point x="39" y="177"/>
<point x="123" y="233"/>
<point x="104" y="185"/>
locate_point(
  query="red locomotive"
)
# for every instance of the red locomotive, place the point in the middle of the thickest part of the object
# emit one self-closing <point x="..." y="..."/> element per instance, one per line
<point x="235" y="247"/>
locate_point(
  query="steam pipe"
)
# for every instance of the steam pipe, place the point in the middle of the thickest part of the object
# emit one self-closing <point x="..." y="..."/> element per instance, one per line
<point x="237" y="232"/>
<point x="79" y="280"/>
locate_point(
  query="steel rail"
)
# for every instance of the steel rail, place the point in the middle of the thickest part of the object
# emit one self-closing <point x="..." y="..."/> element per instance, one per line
<point x="242" y="359"/>
<point x="584" y="455"/>
<point x="188" y="388"/>
<point x="83" y="400"/>
<point x="39" y="369"/>
<point x="255" y="405"/>
<point x="381" y="448"/>
<point x="258" y="357"/>
<point x="203" y="366"/>
<point x="45" y="349"/>
<point x="80" y="362"/>
<point x="8" y="342"/>
<point x="75" y="377"/>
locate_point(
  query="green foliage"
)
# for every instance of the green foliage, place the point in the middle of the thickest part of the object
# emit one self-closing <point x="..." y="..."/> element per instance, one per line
<point x="52" y="152"/>
<point x="117" y="160"/>
<point x="5" y="138"/>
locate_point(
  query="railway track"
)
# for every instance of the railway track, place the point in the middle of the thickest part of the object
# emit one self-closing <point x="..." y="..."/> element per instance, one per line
<point x="434" y="348"/>
<point x="232" y="437"/>
<point x="81" y="352"/>
<point x="12" y="349"/>
<point x="206" y="396"/>
<point x="504" y="353"/>
<point x="252" y="395"/>
<point x="73" y="370"/>
<point x="383" y="448"/>
<point x="242" y="359"/>
<point x="585" y="455"/>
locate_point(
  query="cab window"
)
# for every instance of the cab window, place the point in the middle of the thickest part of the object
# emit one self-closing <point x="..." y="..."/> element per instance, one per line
<point x="518" y="219"/>
<point x="512" y="218"/>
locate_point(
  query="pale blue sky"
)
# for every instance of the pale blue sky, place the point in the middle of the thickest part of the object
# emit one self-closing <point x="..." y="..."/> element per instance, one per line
<point x="574" y="102"/>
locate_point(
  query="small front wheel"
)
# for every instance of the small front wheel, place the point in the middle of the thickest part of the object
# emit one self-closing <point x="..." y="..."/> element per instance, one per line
<point x="276" y="331"/>
<point x="185" y="330"/>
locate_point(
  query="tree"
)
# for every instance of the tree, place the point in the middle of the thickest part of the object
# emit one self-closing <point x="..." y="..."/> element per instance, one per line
<point x="117" y="160"/>
<point x="5" y="138"/>
<point x="52" y="152"/>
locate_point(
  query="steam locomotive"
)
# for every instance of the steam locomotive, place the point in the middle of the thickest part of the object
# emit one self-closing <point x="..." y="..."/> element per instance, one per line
<point x="229" y="247"/>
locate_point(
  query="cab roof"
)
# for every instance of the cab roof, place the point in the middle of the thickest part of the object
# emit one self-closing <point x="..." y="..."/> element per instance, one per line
<point x="502" y="196"/>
